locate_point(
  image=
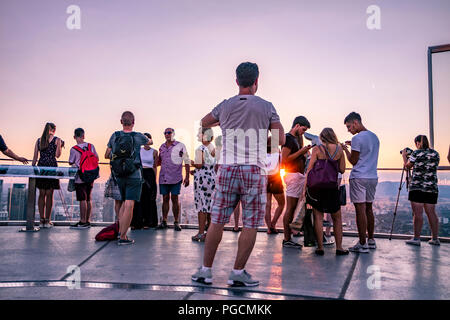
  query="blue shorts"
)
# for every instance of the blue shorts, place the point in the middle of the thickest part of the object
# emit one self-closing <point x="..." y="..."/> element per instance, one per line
<point x="130" y="188"/>
<point x="174" y="189"/>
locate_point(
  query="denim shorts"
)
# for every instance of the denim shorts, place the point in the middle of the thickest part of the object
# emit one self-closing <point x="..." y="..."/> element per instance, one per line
<point x="173" y="189"/>
<point x="130" y="188"/>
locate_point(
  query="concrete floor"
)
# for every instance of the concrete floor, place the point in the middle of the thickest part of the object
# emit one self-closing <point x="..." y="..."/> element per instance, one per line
<point x="160" y="263"/>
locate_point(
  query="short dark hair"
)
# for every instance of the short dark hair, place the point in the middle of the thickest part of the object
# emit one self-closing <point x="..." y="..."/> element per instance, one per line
<point x="424" y="140"/>
<point x="246" y="74"/>
<point x="301" y="121"/>
<point x="148" y="135"/>
<point x="127" y="118"/>
<point x="352" y="116"/>
<point x="79" y="132"/>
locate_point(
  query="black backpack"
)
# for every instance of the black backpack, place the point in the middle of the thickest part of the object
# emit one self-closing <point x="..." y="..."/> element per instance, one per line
<point x="123" y="155"/>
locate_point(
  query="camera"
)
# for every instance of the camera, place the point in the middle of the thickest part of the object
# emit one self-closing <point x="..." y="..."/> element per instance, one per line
<point x="408" y="152"/>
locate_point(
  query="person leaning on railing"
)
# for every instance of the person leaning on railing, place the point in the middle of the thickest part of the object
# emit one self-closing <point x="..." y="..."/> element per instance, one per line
<point x="423" y="188"/>
<point x="9" y="153"/>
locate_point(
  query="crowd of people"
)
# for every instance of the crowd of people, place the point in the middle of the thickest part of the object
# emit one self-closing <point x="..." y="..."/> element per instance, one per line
<point x="231" y="178"/>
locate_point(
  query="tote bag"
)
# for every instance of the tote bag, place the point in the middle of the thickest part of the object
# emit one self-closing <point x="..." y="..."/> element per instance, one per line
<point x="324" y="174"/>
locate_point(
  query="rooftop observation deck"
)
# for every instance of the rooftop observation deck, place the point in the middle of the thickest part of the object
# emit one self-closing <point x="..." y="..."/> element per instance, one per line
<point x="38" y="265"/>
<point x="160" y="263"/>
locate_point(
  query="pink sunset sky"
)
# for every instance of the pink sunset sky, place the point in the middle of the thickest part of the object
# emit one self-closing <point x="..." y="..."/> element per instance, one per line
<point x="171" y="62"/>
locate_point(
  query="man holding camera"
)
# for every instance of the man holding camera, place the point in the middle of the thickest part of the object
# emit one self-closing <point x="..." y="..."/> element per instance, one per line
<point x="363" y="178"/>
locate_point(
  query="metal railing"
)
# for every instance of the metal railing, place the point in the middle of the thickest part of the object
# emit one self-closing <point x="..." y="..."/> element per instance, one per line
<point x="191" y="217"/>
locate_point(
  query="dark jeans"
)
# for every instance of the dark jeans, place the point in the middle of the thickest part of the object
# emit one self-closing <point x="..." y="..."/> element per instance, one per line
<point x="145" y="213"/>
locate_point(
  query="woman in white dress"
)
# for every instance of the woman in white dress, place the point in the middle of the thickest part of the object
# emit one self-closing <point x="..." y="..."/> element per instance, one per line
<point x="204" y="180"/>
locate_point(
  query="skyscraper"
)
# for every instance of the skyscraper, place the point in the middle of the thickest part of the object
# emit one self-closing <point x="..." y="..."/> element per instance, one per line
<point x="17" y="202"/>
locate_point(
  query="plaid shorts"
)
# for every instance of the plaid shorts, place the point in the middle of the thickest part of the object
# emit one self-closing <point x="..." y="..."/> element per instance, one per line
<point x="244" y="183"/>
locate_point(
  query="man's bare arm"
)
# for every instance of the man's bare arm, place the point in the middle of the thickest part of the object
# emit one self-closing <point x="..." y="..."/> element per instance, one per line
<point x="209" y="121"/>
<point x="352" y="156"/>
<point x="12" y="155"/>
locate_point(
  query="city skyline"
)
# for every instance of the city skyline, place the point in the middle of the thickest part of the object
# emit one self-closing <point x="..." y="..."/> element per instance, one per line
<point x="103" y="209"/>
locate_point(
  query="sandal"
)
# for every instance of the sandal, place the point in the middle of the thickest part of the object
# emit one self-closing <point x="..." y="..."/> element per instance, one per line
<point x="342" y="252"/>
<point x="320" y="252"/>
<point x="199" y="237"/>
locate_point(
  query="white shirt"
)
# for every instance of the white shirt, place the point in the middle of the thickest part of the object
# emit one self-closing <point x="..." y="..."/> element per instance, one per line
<point x="368" y="145"/>
<point x="147" y="157"/>
<point x="273" y="163"/>
<point x="208" y="159"/>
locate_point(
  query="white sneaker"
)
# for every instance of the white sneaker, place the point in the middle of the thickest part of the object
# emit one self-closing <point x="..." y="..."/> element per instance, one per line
<point x="48" y="225"/>
<point x="414" y="242"/>
<point x="372" y="244"/>
<point x="202" y="276"/>
<point x="242" y="280"/>
<point x="360" y="248"/>
<point x="434" y="242"/>
<point x="328" y="241"/>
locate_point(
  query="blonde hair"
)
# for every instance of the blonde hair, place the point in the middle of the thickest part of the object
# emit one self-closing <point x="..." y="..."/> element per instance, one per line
<point x="328" y="136"/>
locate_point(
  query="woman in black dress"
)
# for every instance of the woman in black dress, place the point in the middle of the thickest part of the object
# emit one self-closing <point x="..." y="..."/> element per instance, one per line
<point x="48" y="147"/>
<point x="145" y="213"/>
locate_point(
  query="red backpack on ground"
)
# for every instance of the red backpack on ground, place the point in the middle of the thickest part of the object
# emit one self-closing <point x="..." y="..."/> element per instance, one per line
<point x="89" y="170"/>
<point x="109" y="233"/>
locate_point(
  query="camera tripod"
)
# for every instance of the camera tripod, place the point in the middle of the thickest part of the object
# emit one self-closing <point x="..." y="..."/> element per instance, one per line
<point x="407" y="179"/>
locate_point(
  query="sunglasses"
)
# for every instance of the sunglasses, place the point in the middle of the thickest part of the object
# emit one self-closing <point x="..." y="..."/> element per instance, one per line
<point x="168" y="132"/>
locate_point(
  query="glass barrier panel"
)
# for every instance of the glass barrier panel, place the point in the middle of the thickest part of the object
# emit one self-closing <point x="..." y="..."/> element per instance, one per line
<point x="13" y="198"/>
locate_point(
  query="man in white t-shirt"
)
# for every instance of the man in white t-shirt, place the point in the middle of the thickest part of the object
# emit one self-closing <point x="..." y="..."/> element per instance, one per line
<point x="363" y="178"/>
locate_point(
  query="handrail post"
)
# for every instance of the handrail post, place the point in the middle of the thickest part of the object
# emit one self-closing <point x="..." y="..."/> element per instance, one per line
<point x="31" y="207"/>
<point x="430" y="97"/>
